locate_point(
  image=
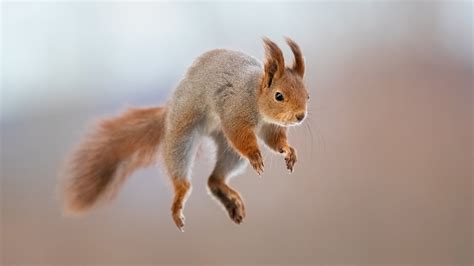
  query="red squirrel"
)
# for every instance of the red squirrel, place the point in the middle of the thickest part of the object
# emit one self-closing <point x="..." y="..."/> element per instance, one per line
<point x="226" y="95"/>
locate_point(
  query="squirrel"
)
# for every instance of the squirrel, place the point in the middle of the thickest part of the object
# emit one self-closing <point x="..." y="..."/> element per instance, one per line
<point x="226" y="95"/>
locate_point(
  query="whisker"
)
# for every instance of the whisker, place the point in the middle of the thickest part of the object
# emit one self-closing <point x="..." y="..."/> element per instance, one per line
<point x="308" y="127"/>
<point x="322" y="140"/>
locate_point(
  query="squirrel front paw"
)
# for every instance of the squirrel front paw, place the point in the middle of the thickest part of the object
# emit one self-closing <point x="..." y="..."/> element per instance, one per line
<point x="290" y="157"/>
<point x="256" y="160"/>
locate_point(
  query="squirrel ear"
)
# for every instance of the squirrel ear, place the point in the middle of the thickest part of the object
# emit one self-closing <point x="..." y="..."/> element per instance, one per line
<point x="298" y="65"/>
<point x="274" y="62"/>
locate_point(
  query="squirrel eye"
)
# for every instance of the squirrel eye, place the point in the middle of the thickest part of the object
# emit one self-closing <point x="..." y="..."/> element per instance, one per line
<point x="279" y="97"/>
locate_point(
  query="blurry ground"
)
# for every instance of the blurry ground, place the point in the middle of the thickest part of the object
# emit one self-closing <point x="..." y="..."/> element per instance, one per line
<point x="385" y="168"/>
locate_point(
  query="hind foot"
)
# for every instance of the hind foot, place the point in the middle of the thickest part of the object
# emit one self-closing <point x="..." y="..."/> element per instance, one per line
<point x="230" y="199"/>
<point x="236" y="210"/>
<point x="178" y="219"/>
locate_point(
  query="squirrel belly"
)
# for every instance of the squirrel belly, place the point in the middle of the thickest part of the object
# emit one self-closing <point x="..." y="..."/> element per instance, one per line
<point x="226" y="95"/>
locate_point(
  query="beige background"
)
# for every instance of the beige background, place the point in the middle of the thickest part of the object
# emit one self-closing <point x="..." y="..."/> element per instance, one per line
<point x="385" y="159"/>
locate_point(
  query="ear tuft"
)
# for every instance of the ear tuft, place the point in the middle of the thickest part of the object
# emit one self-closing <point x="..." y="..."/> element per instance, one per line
<point x="298" y="65"/>
<point x="274" y="62"/>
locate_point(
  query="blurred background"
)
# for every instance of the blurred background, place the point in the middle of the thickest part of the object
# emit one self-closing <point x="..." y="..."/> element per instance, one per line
<point x="385" y="171"/>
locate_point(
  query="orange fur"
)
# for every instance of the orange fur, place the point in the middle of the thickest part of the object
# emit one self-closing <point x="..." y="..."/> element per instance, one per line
<point x="274" y="137"/>
<point x="105" y="158"/>
<point x="287" y="81"/>
<point x="298" y="65"/>
<point x="182" y="189"/>
<point x="274" y="62"/>
<point x="242" y="137"/>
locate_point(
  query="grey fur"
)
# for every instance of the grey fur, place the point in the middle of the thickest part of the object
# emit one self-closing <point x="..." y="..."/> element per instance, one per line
<point x="220" y="84"/>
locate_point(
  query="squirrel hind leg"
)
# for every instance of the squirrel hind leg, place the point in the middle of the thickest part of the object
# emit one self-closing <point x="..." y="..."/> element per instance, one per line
<point x="180" y="148"/>
<point x="228" y="164"/>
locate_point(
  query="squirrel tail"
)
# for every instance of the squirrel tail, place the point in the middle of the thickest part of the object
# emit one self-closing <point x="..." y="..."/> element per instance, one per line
<point x="113" y="151"/>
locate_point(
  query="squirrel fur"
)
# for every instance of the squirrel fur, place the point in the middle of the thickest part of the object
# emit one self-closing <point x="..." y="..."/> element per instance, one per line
<point x="226" y="95"/>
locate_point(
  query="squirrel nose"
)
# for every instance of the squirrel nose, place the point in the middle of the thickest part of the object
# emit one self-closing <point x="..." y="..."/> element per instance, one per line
<point x="300" y="117"/>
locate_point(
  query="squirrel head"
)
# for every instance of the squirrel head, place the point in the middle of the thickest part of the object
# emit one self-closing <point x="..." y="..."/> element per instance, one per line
<point x="282" y="97"/>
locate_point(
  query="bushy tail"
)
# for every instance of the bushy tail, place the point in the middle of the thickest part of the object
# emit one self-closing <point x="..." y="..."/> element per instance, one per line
<point x="105" y="158"/>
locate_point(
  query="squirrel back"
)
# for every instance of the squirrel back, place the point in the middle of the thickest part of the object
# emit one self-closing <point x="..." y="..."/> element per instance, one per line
<point x="219" y="83"/>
